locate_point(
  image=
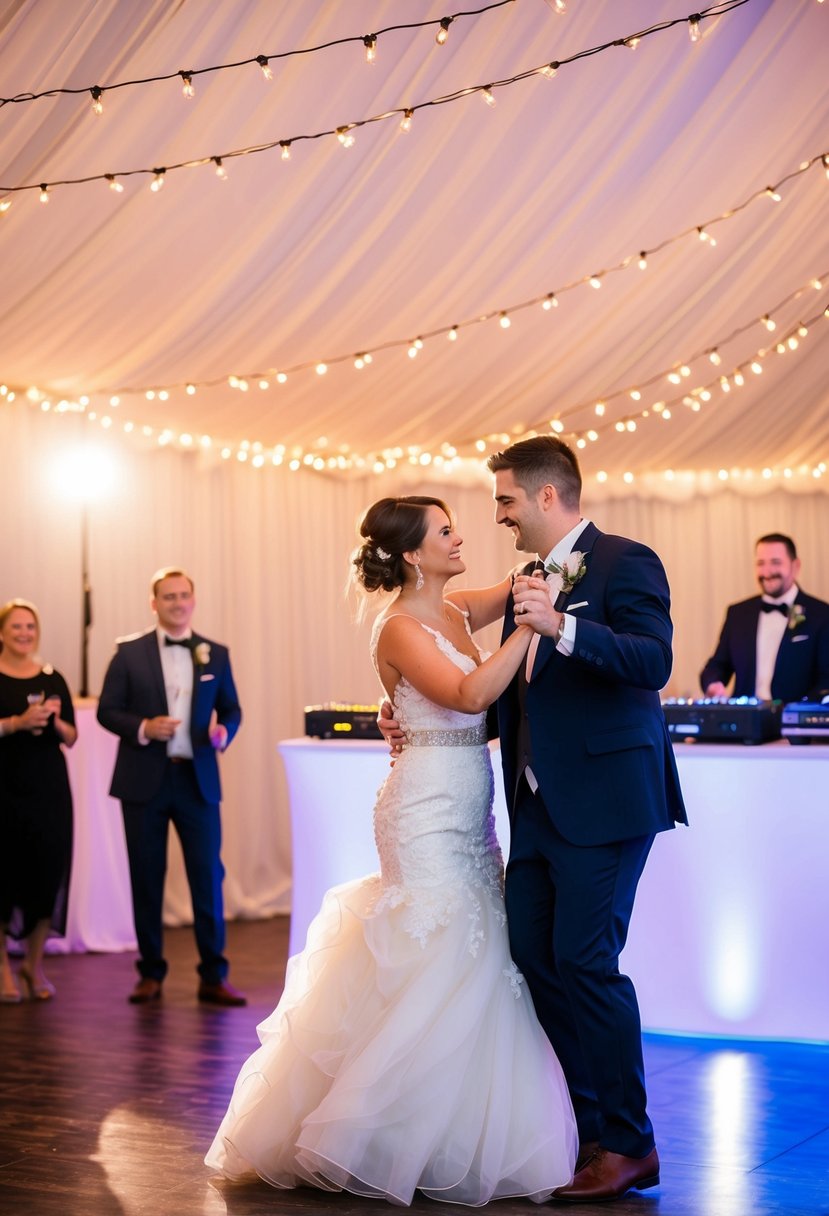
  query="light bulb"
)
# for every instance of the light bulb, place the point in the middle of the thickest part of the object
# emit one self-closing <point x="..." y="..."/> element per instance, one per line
<point x="345" y="137"/>
<point x="550" y="69"/>
<point x="443" y="30"/>
<point x="285" y="145"/>
<point x="114" y="184"/>
<point x="158" y="180"/>
<point x="487" y="95"/>
<point x="97" y="104"/>
<point x="693" y="27"/>
<point x="262" y="60"/>
<point x="44" y="193"/>
<point x="406" y="120"/>
<point x="187" y="86"/>
<point x="549" y="302"/>
<point x="220" y="169"/>
<point x="504" y="321"/>
<point x="370" y="43"/>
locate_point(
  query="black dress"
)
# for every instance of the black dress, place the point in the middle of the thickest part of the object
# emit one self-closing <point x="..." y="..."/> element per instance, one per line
<point x="35" y="811"/>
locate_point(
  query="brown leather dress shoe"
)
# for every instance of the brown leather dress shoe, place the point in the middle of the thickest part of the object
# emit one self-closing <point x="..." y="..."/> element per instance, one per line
<point x="609" y="1176"/>
<point x="145" y="990"/>
<point x="586" y="1150"/>
<point x="221" y="994"/>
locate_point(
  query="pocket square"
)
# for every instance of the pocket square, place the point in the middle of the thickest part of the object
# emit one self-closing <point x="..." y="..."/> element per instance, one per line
<point x="801" y="637"/>
<point x="580" y="604"/>
<point x="207" y="677"/>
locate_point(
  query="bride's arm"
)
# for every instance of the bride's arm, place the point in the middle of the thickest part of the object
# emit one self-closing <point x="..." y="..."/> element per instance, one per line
<point x="407" y="649"/>
<point x="484" y="604"/>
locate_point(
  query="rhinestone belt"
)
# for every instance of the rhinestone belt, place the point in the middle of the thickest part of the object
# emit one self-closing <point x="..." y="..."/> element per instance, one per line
<point x="468" y="736"/>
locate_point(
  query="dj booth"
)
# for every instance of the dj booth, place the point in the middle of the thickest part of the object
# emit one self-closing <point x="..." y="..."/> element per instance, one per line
<point x="745" y="720"/>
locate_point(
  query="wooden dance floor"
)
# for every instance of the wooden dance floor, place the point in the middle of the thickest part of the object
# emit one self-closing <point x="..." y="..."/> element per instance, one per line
<point x="107" y="1109"/>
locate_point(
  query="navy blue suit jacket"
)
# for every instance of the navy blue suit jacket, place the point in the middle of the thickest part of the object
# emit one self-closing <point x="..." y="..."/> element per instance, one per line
<point x="134" y="690"/>
<point x="802" y="666"/>
<point x="600" y="747"/>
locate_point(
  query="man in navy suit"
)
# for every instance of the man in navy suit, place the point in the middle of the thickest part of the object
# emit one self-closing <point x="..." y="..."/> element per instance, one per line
<point x="776" y="644"/>
<point x="590" y="779"/>
<point x="169" y="695"/>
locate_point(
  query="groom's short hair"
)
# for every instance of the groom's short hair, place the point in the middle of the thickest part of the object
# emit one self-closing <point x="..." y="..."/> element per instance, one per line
<point x="541" y="460"/>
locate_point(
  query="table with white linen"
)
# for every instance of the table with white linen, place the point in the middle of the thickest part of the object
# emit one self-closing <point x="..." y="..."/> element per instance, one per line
<point x="730" y="928"/>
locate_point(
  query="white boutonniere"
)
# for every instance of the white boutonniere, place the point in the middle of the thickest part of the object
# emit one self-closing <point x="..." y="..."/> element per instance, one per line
<point x="201" y="654"/>
<point x="796" y="616"/>
<point x="571" y="570"/>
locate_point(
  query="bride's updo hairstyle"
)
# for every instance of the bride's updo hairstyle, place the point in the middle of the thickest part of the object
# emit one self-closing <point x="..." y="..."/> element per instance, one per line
<point x="391" y="527"/>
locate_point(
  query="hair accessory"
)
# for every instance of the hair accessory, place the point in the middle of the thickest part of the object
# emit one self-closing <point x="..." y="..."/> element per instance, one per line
<point x="382" y="554"/>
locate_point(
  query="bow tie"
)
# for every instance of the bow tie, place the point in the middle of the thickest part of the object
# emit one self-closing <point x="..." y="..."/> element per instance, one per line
<point x="177" y="641"/>
<point x="784" y="608"/>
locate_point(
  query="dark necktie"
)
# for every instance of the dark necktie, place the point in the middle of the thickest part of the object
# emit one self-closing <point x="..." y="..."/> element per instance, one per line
<point x="176" y="641"/>
<point x="784" y="608"/>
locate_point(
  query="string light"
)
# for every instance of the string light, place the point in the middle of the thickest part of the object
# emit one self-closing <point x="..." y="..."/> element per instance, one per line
<point x="5" y="204"/>
<point x="504" y="321"/>
<point x="221" y="172"/>
<point x="773" y="194"/>
<point x="443" y="30"/>
<point x="549" y="301"/>
<point x="705" y="237"/>
<point x="285" y="145"/>
<point x="97" y="103"/>
<point x="643" y="261"/>
<point x="44" y="193"/>
<point x="693" y="27"/>
<point x="406" y="120"/>
<point x="114" y="184"/>
<point x="345" y="136"/>
<point x="262" y="60"/>
<point x="158" y="180"/>
<point x="187" y="85"/>
<point x="769" y="324"/>
<point x="722" y="7"/>
<point x="595" y="281"/>
<point x="549" y="69"/>
<point x="370" y="43"/>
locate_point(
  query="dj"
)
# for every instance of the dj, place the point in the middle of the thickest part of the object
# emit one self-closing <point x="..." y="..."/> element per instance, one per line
<point x="775" y="644"/>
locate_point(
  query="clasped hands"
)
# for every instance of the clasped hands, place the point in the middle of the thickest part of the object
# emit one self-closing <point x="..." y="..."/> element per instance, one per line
<point x="533" y="605"/>
<point x="37" y="716"/>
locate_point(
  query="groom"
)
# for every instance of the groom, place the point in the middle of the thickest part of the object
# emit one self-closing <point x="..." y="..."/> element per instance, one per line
<point x="590" y="779"/>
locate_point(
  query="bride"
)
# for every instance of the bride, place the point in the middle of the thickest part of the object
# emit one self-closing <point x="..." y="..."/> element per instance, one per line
<point x="405" y="1053"/>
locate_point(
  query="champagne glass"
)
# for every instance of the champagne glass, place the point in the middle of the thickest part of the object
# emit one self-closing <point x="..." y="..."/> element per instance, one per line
<point x="36" y="698"/>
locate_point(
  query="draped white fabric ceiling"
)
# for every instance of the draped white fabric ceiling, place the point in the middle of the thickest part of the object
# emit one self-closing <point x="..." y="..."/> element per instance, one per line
<point x="471" y="212"/>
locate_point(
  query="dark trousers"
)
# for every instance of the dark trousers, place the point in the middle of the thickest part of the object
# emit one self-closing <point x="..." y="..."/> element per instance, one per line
<point x="199" y="829"/>
<point x="568" y="910"/>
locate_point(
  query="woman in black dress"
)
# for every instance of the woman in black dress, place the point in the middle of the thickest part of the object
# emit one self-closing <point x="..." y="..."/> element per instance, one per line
<point x="36" y="718"/>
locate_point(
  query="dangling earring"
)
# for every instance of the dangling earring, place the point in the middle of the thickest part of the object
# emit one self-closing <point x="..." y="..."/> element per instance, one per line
<point x="419" y="580"/>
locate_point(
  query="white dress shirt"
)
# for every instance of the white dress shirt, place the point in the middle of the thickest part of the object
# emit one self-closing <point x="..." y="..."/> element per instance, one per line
<point x="771" y="627"/>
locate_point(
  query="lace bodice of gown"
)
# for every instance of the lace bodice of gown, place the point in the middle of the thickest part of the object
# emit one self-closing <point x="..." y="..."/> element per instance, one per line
<point x="433" y="821"/>
<point x="412" y="710"/>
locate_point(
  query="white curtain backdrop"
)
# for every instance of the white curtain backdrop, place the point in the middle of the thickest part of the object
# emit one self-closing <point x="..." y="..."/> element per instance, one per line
<point x="269" y="553"/>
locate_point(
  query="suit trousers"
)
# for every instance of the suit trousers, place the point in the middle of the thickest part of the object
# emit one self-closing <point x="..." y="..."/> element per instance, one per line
<point x="568" y="911"/>
<point x="198" y="825"/>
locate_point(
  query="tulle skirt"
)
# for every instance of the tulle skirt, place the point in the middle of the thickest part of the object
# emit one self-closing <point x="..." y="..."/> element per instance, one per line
<point x="392" y="1065"/>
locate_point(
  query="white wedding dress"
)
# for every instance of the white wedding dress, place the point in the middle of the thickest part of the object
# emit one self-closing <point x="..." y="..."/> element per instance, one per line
<point x="405" y="1053"/>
